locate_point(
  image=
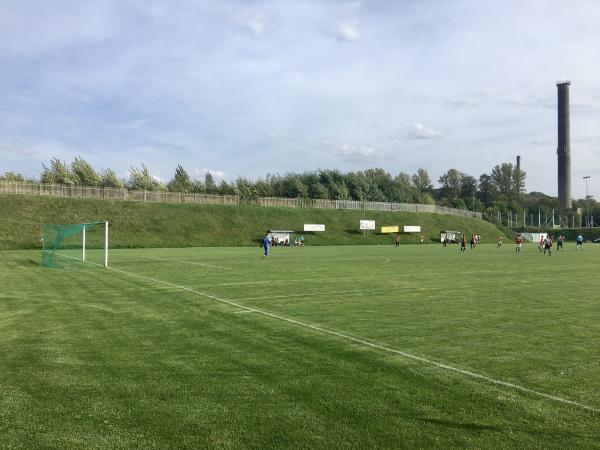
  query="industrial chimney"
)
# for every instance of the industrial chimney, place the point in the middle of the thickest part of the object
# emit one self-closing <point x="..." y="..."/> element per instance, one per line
<point x="564" y="145"/>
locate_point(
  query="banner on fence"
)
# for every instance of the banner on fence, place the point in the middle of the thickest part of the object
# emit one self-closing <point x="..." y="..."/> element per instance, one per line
<point x="314" y="227"/>
<point x="367" y="224"/>
<point x="412" y="228"/>
<point x="394" y="229"/>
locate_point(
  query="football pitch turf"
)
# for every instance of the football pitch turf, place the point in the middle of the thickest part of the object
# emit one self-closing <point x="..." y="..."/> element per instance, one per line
<point x="317" y="347"/>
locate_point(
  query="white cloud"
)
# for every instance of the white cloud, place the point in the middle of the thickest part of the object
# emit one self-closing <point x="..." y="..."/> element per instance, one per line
<point x="217" y="174"/>
<point x="465" y="101"/>
<point x="347" y="31"/>
<point x="419" y="131"/>
<point x="252" y="23"/>
<point x="347" y="152"/>
<point x="16" y="150"/>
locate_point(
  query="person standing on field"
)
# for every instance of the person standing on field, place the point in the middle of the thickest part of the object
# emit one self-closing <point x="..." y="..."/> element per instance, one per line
<point x="559" y="243"/>
<point x="266" y="244"/>
<point x="463" y="243"/>
<point x="398" y="240"/>
<point x="548" y="245"/>
<point x="541" y="246"/>
<point x="518" y="243"/>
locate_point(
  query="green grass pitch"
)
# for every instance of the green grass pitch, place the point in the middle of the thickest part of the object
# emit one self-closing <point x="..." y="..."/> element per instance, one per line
<point x="317" y="347"/>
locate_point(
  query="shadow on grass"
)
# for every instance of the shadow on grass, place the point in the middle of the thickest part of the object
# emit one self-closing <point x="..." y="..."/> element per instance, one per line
<point x="29" y="263"/>
<point x="459" y="425"/>
<point x="353" y="231"/>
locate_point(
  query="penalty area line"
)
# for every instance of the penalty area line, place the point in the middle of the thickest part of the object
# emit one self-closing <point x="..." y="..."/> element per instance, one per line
<point x="373" y="345"/>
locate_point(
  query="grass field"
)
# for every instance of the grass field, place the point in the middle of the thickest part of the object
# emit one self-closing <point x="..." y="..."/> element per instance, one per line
<point x="316" y="347"/>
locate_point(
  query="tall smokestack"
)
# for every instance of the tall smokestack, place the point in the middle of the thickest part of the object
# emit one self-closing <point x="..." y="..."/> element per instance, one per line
<point x="564" y="145"/>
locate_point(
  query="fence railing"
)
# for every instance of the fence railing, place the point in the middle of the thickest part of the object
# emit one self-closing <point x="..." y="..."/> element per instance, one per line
<point x="56" y="190"/>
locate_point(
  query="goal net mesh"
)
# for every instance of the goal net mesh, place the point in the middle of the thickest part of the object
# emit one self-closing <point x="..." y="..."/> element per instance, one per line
<point x="68" y="244"/>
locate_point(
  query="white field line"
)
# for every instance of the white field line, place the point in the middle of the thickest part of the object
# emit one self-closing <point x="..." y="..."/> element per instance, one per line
<point x="383" y="348"/>
<point x="184" y="262"/>
<point x="315" y="294"/>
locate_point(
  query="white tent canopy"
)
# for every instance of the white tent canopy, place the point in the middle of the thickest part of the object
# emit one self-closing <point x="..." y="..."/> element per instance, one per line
<point x="534" y="237"/>
<point x="281" y="235"/>
<point x="451" y="235"/>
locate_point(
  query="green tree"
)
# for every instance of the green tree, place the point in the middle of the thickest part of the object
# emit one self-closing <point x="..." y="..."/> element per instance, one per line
<point x="519" y="182"/>
<point x="181" y="181"/>
<point x="451" y="183"/>
<point x="468" y="186"/>
<point x="402" y="189"/>
<point x="488" y="192"/>
<point x="58" y="173"/>
<point x="263" y="188"/>
<point x="109" y="179"/>
<point x="83" y="173"/>
<point x="244" y="188"/>
<point x="358" y="185"/>
<point x="380" y="185"/>
<point x="226" y="188"/>
<point x="295" y="187"/>
<point x="209" y="183"/>
<point x="198" y="186"/>
<point x="503" y="178"/>
<point x="12" y="177"/>
<point x="421" y="181"/>
<point x="141" y="179"/>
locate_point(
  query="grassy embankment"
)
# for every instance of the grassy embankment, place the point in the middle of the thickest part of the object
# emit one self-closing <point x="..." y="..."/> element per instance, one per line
<point x="143" y="225"/>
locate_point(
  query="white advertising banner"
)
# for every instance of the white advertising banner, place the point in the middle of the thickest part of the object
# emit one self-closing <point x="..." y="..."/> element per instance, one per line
<point x="412" y="228"/>
<point x="314" y="227"/>
<point x="367" y="224"/>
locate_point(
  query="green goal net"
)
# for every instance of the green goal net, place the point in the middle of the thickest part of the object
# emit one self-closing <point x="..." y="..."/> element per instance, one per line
<point x="69" y="244"/>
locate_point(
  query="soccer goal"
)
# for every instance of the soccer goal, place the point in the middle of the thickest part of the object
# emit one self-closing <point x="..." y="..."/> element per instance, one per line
<point x="66" y="244"/>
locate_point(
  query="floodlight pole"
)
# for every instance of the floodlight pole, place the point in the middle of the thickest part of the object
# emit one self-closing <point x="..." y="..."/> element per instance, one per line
<point x="106" y="245"/>
<point x="83" y="244"/>
<point x="587" y="197"/>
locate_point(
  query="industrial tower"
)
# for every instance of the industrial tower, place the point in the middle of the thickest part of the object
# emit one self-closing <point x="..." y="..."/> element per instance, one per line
<point x="564" y="145"/>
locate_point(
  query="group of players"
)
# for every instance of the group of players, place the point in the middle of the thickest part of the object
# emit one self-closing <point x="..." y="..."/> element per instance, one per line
<point x="475" y="239"/>
<point x="545" y="244"/>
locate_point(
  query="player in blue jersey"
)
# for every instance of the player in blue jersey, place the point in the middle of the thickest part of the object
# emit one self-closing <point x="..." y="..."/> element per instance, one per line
<point x="266" y="244"/>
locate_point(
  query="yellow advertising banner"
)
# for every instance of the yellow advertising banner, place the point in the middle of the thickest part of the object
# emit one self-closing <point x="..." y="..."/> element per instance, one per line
<point x="394" y="229"/>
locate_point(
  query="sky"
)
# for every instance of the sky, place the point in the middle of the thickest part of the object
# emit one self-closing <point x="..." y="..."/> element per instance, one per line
<point x="248" y="88"/>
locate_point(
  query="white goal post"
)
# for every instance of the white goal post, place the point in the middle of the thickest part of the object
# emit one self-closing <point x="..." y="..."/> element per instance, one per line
<point x="105" y="243"/>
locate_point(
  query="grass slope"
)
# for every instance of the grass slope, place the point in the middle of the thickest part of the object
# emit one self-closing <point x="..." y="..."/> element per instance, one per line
<point x="136" y="225"/>
<point x="95" y="358"/>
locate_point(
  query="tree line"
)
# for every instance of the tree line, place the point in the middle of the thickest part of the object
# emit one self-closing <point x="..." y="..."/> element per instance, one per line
<point x="499" y="191"/>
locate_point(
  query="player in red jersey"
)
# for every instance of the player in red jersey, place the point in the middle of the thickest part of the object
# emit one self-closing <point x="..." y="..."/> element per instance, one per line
<point x="518" y="243"/>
